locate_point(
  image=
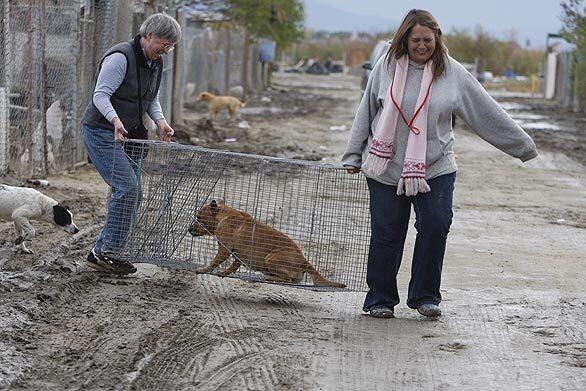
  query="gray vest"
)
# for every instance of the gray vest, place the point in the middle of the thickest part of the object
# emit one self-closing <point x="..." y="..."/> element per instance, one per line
<point x="125" y="98"/>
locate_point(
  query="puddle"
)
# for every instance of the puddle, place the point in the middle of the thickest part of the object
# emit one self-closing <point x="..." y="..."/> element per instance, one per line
<point x="514" y="106"/>
<point x="264" y="110"/>
<point x="528" y="116"/>
<point x="512" y="94"/>
<point x="538" y="125"/>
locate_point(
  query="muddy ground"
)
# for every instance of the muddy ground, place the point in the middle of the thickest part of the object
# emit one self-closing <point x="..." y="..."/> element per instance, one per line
<point x="514" y="293"/>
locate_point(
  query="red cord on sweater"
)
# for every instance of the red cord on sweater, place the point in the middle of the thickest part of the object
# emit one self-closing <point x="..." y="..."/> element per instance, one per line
<point x="409" y="124"/>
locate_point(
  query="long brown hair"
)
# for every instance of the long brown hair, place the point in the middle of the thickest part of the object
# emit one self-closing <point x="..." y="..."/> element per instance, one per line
<point x="399" y="46"/>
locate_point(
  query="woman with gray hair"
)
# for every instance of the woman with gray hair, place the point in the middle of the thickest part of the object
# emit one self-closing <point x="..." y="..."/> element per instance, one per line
<point x="127" y="87"/>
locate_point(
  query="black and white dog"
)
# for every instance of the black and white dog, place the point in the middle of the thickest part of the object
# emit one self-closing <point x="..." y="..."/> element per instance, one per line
<point x="21" y="204"/>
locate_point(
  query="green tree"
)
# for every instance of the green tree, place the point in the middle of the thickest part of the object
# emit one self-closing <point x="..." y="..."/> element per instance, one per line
<point x="574" y="21"/>
<point x="493" y="55"/>
<point x="279" y="20"/>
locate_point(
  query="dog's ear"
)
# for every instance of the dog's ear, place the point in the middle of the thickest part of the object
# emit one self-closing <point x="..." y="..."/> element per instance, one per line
<point x="214" y="206"/>
<point x="61" y="215"/>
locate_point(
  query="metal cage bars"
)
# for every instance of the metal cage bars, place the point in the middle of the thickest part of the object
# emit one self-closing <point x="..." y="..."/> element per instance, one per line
<point x="275" y="203"/>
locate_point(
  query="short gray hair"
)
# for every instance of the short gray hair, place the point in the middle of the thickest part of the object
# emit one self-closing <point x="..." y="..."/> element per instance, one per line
<point x="162" y="26"/>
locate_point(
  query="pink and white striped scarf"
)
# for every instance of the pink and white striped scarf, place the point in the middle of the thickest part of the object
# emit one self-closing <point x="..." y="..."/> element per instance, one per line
<point x="412" y="179"/>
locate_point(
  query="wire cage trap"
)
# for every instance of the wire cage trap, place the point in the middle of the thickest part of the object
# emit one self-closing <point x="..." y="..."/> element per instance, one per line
<point x="252" y="217"/>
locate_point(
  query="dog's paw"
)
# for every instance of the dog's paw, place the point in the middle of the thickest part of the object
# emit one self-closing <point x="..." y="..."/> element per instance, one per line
<point x="26" y="251"/>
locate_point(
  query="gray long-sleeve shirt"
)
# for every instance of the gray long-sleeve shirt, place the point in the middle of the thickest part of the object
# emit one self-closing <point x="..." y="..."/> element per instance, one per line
<point x="109" y="79"/>
<point x="456" y="91"/>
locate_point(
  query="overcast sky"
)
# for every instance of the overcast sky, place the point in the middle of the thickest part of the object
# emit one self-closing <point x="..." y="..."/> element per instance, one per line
<point x="531" y="19"/>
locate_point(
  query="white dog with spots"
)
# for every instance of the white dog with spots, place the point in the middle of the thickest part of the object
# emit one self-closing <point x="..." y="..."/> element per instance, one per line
<point x="22" y="204"/>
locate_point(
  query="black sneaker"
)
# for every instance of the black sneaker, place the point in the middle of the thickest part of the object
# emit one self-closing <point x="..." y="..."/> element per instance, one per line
<point x="108" y="264"/>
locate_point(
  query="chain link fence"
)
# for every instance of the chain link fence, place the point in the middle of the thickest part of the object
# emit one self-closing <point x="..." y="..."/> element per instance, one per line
<point x="49" y="55"/>
<point x="214" y="62"/>
<point x="37" y="43"/>
<point x="48" y="52"/>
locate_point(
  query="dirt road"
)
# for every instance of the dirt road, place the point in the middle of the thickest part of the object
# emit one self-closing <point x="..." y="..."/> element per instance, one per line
<point x="514" y="292"/>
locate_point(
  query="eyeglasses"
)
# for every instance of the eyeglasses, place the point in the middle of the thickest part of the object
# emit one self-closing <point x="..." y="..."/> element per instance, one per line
<point x="168" y="48"/>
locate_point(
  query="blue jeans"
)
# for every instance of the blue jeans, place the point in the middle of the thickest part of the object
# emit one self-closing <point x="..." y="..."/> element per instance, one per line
<point x="389" y="222"/>
<point x="122" y="174"/>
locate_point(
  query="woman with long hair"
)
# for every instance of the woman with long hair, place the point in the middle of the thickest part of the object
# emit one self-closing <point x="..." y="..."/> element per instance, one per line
<point x="401" y="140"/>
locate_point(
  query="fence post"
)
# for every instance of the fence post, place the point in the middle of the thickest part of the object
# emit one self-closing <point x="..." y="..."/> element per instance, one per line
<point x="213" y="58"/>
<point x="204" y="75"/>
<point x="246" y="46"/>
<point x="3" y="130"/>
<point x="3" y="36"/>
<point x="566" y="81"/>
<point x="576" y="87"/>
<point x="255" y="69"/>
<point x="42" y="168"/>
<point x="36" y="94"/>
<point x="27" y="139"/>
<point x="227" y="62"/>
<point x="4" y="87"/>
<point x="179" y="73"/>
<point x="76" y="92"/>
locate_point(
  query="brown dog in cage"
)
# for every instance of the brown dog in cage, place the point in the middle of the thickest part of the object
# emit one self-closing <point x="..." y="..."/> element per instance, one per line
<point x="259" y="246"/>
<point x="217" y="103"/>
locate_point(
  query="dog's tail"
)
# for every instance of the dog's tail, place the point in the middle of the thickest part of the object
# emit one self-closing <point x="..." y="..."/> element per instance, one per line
<point x="320" y="280"/>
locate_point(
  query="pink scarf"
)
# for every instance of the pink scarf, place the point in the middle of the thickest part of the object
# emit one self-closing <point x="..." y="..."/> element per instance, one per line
<point x="412" y="179"/>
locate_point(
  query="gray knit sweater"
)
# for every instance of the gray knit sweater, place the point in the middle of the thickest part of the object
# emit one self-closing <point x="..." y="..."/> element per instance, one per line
<point x="456" y="91"/>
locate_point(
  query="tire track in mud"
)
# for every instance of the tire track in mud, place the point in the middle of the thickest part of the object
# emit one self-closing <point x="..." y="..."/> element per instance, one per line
<point x="484" y="339"/>
<point x="90" y="341"/>
<point x="244" y="340"/>
<point x="19" y="312"/>
<point x="488" y="339"/>
<point x="566" y="340"/>
<point x="208" y="354"/>
<point x="90" y="334"/>
<point x="75" y="339"/>
<point x="172" y="351"/>
<point x="81" y="336"/>
<point x="285" y="305"/>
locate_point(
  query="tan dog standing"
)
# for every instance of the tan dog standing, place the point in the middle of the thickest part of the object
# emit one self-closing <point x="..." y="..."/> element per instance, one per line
<point x="259" y="246"/>
<point x="217" y="103"/>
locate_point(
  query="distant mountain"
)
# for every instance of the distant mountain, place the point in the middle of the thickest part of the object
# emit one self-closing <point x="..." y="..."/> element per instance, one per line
<point x="321" y="16"/>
